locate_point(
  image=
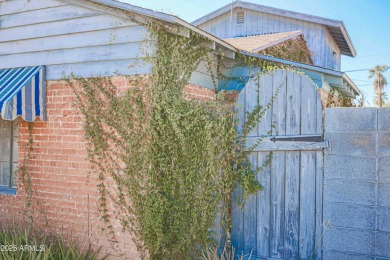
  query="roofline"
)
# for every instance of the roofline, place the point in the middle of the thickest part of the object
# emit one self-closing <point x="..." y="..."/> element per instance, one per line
<point x="281" y="12"/>
<point x="351" y="83"/>
<point x="295" y="64"/>
<point x="299" y="65"/>
<point x="215" y="13"/>
<point x="348" y="39"/>
<point x="206" y="34"/>
<point x="136" y="9"/>
<point x="271" y="10"/>
<point x="160" y="16"/>
<point x="290" y="37"/>
<point x="175" y="20"/>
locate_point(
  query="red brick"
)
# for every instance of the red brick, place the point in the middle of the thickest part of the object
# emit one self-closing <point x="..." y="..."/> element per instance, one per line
<point x="61" y="173"/>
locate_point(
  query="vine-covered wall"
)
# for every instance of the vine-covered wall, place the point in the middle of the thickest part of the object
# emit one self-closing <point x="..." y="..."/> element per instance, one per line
<point x="64" y="198"/>
<point x="187" y="154"/>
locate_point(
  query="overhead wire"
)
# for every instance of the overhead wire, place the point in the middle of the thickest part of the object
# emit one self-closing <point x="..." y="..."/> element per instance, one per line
<point x="356" y="70"/>
<point x="373" y="55"/>
<point x="362" y="80"/>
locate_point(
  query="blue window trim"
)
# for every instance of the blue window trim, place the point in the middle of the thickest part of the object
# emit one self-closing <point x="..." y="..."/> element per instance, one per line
<point x="4" y="190"/>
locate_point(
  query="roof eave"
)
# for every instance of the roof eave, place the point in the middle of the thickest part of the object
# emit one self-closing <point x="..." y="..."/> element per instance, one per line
<point x="215" y="13"/>
<point x="348" y="40"/>
<point x="351" y="83"/>
<point x="136" y="9"/>
<point x="314" y="68"/>
<point x="295" y="64"/>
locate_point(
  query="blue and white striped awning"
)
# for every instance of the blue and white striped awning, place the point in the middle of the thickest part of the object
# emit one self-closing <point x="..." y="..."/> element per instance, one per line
<point x="23" y="93"/>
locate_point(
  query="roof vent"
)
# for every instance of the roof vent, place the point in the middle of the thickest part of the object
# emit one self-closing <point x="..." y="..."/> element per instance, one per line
<point x="240" y="17"/>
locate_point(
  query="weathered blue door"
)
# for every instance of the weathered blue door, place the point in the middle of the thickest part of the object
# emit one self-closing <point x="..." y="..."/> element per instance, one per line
<point x="284" y="220"/>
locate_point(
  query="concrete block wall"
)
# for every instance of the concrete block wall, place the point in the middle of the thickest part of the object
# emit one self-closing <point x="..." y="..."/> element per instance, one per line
<point x="357" y="184"/>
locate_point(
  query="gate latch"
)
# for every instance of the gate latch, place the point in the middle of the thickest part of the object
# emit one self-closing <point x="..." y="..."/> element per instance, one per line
<point x="309" y="138"/>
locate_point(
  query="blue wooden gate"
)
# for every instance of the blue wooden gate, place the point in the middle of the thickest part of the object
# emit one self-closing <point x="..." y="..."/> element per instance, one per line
<point x="284" y="220"/>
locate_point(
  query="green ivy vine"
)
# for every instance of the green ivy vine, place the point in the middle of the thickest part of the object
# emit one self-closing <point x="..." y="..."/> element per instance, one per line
<point x="32" y="202"/>
<point x="167" y="165"/>
<point x="341" y="100"/>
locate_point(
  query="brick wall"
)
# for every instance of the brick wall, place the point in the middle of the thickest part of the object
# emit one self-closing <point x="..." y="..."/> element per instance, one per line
<point x="65" y="193"/>
<point x="201" y="93"/>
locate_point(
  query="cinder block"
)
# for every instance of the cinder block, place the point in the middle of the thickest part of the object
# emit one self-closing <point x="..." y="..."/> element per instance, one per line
<point x="353" y="192"/>
<point x="350" y="240"/>
<point x="350" y="215"/>
<point x="336" y="255"/>
<point x="356" y="143"/>
<point x="384" y="119"/>
<point x="383" y="215"/>
<point x="384" y="144"/>
<point x="350" y="119"/>
<point x="350" y="167"/>
<point x="384" y="169"/>
<point x="384" y="194"/>
<point x="382" y="247"/>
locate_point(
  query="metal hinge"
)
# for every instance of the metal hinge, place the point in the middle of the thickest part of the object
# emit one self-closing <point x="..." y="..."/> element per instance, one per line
<point x="310" y="138"/>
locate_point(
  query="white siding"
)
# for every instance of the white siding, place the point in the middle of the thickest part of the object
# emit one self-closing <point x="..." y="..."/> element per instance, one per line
<point x="68" y="38"/>
<point x="334" y="61"/>
<point x="202" y="76"/>
<point x="318" y="38"/>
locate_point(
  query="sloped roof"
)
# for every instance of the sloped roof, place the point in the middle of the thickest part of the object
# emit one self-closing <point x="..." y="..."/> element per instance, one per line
<point x="258" y="43"/>
<point x="335" y="27"/>
<point x="217" y="41"/>
<point x="152" y="14"/>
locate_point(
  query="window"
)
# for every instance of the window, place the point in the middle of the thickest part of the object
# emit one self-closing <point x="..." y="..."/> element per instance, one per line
<point x="8" y="156"/>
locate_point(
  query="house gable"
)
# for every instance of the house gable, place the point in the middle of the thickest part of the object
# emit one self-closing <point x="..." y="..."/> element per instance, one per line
<point x="320" y="33"/>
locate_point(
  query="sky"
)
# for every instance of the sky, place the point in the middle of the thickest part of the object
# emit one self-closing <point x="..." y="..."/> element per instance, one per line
<point x="367" y="22"/>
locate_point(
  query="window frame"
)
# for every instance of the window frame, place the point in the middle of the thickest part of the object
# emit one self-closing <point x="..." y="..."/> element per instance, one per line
<point x="9" y="190"/>
<point x="240" y="17"/>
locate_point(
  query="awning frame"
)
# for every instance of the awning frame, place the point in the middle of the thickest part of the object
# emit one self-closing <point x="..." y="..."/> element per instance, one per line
<point x="23" y="93"/>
